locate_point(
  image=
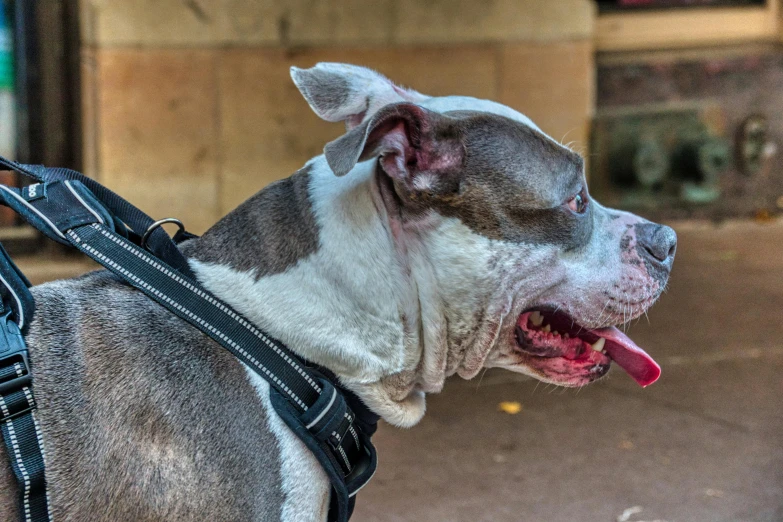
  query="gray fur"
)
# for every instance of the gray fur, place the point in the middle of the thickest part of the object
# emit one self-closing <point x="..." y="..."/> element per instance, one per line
<point x="343" y="153"/>
<point x="325" y="91"/>
<point x="275" y="228"/>
<point x="510" y="185"/>
<point x="514" y="183"/>
<point x="143" y="417"/>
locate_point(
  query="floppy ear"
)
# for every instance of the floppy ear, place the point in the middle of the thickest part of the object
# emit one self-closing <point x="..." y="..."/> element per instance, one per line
<point x="349" y="93"/>
<point x="409" y="140"/>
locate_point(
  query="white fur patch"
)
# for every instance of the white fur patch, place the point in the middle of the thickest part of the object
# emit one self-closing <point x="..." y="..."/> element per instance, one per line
<point x="339" y="307"/>
<point x="344" y="306"/>
<point x="304" y="482"/>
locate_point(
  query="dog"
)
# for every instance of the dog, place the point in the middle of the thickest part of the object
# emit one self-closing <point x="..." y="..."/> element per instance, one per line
<point x="437" y="236"/>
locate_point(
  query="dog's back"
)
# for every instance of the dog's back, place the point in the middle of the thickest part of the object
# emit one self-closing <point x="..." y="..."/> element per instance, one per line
<point x="143" y="417"/>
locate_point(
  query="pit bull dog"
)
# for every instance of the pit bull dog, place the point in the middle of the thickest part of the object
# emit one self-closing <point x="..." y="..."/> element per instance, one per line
<point x="437" y="236"/>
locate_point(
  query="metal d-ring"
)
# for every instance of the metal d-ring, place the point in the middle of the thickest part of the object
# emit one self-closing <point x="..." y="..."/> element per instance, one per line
<point x="155" y="225"/>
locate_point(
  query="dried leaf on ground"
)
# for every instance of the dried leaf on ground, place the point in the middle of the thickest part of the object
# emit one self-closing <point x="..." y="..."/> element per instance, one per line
<point x="510" y="407"/>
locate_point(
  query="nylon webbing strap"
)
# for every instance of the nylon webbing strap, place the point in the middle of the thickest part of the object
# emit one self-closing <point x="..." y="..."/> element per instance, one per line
<point x="332" y="422"/>
<point x="25" y="450"/>
<point x="188" y="300"/>
<point x="18" y="423"/>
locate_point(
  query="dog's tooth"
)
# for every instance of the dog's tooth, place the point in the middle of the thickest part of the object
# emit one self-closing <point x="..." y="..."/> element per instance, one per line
<point x="547" y="329"/>
<point x="555" y="332"/>
<point x="536" y="318"/>
<point x="598" y="346"/>
<point x="566" y="336"/>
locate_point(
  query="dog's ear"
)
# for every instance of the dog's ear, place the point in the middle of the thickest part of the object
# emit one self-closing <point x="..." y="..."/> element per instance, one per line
<point x="349" y="93"/>
<point x="409" y="140"/>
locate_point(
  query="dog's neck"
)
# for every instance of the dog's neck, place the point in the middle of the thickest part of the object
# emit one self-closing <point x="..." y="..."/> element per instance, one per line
<point x="317" y="262"/>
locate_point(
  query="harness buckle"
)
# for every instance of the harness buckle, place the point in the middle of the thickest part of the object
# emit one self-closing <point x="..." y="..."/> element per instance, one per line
<point x="16" y="370"/>
<point x="14" y="365"/>
<point x="15" y="374"/>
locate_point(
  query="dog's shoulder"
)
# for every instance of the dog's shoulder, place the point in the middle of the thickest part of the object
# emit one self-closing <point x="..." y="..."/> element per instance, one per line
<point x="63" y="305"/>
<point x="98" y="318"/>
<point x="99" y="308"/>
<point x="121" y="380"/>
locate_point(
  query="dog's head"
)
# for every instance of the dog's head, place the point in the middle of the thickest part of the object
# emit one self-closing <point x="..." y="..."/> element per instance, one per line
<point x="532" y="274"/>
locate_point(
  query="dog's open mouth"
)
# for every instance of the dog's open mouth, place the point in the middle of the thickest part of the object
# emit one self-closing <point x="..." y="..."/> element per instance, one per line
<point x="548" y="335"/>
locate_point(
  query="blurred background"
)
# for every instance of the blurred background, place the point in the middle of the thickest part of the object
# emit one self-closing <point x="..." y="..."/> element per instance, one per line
<point x="185" y="107"/>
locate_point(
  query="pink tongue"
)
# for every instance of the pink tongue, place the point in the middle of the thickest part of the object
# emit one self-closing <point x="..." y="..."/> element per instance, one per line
<point x="630" y="357"/>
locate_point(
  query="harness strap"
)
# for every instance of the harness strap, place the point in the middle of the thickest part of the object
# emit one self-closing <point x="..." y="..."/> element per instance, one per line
<point x="65" y="210"/>
<point x="18" y="423"/>
<point x="186" y="299"/>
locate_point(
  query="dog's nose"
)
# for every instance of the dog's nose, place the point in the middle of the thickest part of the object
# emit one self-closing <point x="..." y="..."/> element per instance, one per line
<point x="658" y="242"/>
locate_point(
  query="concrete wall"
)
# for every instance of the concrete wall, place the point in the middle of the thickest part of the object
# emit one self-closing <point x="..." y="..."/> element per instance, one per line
<point x="189" y="109"/>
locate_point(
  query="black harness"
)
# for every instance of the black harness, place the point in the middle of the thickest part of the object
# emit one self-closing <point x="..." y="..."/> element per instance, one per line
<point x="77" y="211"/>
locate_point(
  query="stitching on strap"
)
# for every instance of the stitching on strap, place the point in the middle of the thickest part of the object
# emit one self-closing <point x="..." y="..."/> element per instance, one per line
<point x="88" y="207"/>
<point x="228" y="311"/>
<point x="19" y="461"/>
<point x="190" y="314"/>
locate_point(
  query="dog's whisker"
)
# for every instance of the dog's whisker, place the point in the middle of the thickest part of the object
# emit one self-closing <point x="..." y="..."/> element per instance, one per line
<point x="566" y="134"/>
<point x="601" y="315"/>
<point x="536" y="387"/>
<point x="628" y="319"/>
<point x="481" y="378"/>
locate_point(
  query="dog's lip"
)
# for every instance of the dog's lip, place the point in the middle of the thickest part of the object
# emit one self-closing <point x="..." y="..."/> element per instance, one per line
<point x="616" y="346"/>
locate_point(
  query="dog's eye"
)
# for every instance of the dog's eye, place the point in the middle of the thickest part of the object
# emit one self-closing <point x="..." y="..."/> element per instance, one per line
<point x="578" y="203"/>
